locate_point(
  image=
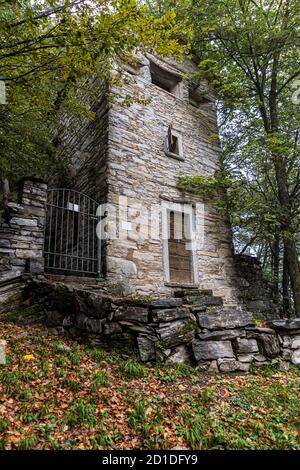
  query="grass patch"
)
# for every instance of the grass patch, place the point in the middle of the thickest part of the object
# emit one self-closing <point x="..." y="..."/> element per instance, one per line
<point x="27" y="443"/>
<point x="100" y="379"/>
<point x="3" y="424"/>
<point x="81" y="414"/>
<point x="196" y="429"/>
<point x="132" y="369"/>
<point x="63" y="400"/>
<point x="138" y="419"/>
<point x="102" y="439"/>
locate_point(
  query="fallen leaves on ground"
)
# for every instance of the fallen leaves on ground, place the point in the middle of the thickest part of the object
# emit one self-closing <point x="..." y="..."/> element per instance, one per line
<point x="57" y="394"/>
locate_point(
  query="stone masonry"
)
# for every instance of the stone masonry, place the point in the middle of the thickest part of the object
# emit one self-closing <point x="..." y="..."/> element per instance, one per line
<point x="191" y="327"/>
<point x="122" y="153"/>
<point x="22" y="238"/>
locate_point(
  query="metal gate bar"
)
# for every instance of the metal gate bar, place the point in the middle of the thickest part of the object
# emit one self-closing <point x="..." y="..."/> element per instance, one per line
<point x="71" y="244"/>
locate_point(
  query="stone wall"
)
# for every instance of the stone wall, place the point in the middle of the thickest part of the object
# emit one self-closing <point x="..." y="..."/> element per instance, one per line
<point x="119" y="157"/>
<point x="255" y="293"/>
<point x="83" y="144"/>
<point x="22" y="232"/>
<point x="140" y="169"/>
<point x="121" y="153"/>
<point x="192" y="327"/>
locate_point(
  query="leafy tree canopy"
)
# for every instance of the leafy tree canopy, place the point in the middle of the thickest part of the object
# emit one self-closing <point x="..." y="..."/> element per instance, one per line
<point x="47" y="47"/>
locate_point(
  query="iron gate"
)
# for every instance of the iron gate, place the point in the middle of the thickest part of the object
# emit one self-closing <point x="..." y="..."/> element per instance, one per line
<point x="71" y="243"/>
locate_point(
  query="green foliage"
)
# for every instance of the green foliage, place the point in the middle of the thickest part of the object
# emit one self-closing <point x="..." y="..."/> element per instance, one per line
<point x="255" y="411"/>
<point x="100" y="379"/>
<point x="81" y="414"/>
<point x="50" y="49"/>
<point x="132" y="369"/>
<point x="3" y="424"/>
<point x="248" y="52"/>
<point x="210" y="188"/>
<point x="27" y="443"/>
<point x="138" y="419"/>
<point x="102" y="439"/>
<point x="195" y="430"/>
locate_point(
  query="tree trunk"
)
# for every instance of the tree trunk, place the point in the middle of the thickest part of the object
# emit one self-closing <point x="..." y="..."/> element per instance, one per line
<point x="275" y="265"/>
<point x="287" y="234"/>
<point x="5" y="191"/>
<point x="285" y="286"/>
<point x="282" y="181"/>
<point x="294" y="270"/>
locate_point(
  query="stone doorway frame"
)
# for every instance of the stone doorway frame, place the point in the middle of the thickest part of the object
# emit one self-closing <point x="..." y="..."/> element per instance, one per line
<point x="189" y="211"/>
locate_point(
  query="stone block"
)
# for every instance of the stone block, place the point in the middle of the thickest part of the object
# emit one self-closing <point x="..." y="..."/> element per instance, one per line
<point x="165" y="303"/>
<point x="286" y="341"/>
<point x="246" y="358"/>
<point x="293" y="324"/>
<point x="245" y="346"/>
<point x="81" y="320"/>
<point x="221" y="335"/>
<point x="213" y="367"/>
<point x="204" y="301"/>
<point x="231" y="365"/>
<point x="2" y="352"/>
<point x="179" y="355"/>
<point x="99" y="305"/>
<point x="283" y="366"/>
<point x="146" y="348"/>
<point x="208" y="350"/>
<point x="296" y="357"/>
<point x="287" y="355"/>
<point x="112" y="328"/>
<point x="121" y="266"/>
<point x="170" y="314"/>
<point x="57" y="331"/>
<point x="4" y="243"/>
<point x="295" y="344"/>
<point x="35" y="266"/>
<point x="177" y="333"/>
<point x="193" y="293"/>
<point x="93" y="325"/>
<point x="23" y="222"/>
<point x="26" y="254"/>
<point x="259" y="358"/>
<point x="268" y="344"/>
<point x="54" y="318"/>
<point x="69" y="320"/>
<point x="225" y="319"/>
<point x="135" y="314"/>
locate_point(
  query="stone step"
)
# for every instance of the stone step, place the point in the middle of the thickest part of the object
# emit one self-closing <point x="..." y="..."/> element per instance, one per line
<point x="193" y="291"/>
<point x="203" y="301"/>
<point x="11" y="294"/>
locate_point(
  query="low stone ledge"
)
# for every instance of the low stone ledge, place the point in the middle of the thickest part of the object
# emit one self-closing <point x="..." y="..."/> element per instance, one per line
<point x="226" y="319"/>
<point x="279" y="325"/>
<point x="166" y="303"/>
<point x="209" y="350"/>
<point x="171" y="314"/>
<point x="222" y="340"/>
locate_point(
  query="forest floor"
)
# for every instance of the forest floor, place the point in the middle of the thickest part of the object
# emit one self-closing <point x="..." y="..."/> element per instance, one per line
<point x="57" y="394"/>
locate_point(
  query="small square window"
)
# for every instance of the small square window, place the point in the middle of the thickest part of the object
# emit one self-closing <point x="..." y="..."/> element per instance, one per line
<point x="165" y="80"/>
<point x="173" y="144"/>
<point x="199" y="96"/>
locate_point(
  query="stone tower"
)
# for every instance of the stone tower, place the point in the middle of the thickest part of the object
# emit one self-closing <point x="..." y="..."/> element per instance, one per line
<point x="131" y="157"/>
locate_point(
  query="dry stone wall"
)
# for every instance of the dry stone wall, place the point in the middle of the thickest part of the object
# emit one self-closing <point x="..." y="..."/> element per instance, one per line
<point x="193" y="327"/>
<point x="22" y="240"/>
<point x="255" y="293"/>
<point x="22" y="232"/>
<point x="139" y="169"/>
<point x="121" y="153"/>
